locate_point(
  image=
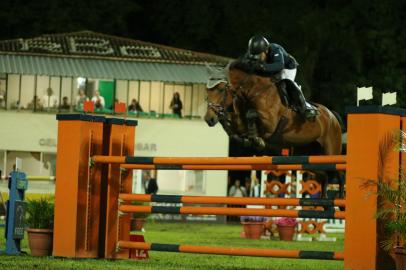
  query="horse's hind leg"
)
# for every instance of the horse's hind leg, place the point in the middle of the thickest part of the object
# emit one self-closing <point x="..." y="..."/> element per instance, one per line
<point x="331" y="142"/>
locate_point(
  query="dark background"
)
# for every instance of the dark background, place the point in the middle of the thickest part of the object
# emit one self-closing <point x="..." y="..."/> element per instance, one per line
<point x="339" y="44"/>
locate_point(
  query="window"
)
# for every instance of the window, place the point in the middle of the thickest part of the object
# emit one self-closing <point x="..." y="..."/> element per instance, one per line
<point x="27" y="92"/>
<point x="13" y="92"/>
<point x="3" y="89"/>
<point x="67" y="96"/>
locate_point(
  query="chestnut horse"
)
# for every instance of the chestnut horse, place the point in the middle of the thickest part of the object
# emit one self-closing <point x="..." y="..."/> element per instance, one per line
<point x="274" y="116"/>
<point x="229" y="100"/>
<point x="229" y="106"/>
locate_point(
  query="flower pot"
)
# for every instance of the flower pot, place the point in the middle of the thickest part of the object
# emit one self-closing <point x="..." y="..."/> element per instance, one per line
<point x="286" y="232"/>
<point x="400" y="257"/>
<point x="253" y="230"/>
<point x="137" y="224"/>
<point x="40" y="242"/>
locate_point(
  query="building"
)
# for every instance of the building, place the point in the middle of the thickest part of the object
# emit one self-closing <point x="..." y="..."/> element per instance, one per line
<point x="42" y="76"/>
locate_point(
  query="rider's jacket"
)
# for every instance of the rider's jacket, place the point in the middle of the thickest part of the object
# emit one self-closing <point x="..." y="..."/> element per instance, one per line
<point x="277" y="59"/>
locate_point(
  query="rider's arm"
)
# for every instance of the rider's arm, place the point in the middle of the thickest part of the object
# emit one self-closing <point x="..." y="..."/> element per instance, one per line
<point x="277" y="64"/>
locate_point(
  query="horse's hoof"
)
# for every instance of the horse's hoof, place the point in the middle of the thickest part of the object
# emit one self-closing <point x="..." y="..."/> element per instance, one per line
<point x="259" y="143"/>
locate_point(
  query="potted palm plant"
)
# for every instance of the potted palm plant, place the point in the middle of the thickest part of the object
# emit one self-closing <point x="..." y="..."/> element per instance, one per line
<point x="391" y="211"/>
<point x="40" y="219"/>
<point x="286" y="228"/>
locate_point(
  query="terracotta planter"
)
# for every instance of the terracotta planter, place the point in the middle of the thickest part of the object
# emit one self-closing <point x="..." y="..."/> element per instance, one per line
<point x="400" y="257"/>
<point x="253" y="230"/>
<point x="286" y="232"/>
<point x="40" y="242"/>
<point x="137" y="224"/>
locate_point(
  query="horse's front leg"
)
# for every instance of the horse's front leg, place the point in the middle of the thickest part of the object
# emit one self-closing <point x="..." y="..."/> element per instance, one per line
<point x="252" y="118"/>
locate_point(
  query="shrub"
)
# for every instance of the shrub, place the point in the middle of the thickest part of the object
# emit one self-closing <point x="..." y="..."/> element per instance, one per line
<point x="40" y="214"/>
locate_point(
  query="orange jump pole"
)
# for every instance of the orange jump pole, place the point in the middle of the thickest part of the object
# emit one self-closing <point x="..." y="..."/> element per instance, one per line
<point x="232" y="211"/>
<point x="77" y="189"/>
<point x="277" y="253"/>
<point x="367" y="129"/>
<point x="231" y="200"/>
<point x="277" y="160"/>
<point x="119" y="141"/>
<point x="308" y="167"/>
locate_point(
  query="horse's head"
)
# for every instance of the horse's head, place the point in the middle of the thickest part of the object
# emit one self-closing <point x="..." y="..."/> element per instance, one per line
<point x="218" y="100"/>
<point x="219" y="97"/>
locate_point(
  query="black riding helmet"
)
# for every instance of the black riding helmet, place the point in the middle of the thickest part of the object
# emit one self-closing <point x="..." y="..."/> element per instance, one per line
<point x="256" y="46"/>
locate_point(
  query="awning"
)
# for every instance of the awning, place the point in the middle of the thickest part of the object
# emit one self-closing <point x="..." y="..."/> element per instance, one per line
<point x="102" y="69"/>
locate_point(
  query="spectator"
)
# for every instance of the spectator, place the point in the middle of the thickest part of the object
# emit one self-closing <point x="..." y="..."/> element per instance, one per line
<point x="49" y="100"/>
<point x="255" y="188"/>
<point x="176" y="105"/>
<point x="98" y="100"/>
<point x="65" y="104"/>
<point x="151" y="184"/>
<point x="35" y="104"/>
<point x="2" y="98"/>
<point x="98" y="105"/>
<point x="81" y="98"/>
<point x="237" y="190"/>
<point x="134" y="106"/>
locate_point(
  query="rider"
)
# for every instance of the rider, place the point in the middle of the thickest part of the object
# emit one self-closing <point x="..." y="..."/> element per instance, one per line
<point x="271" y="58"/>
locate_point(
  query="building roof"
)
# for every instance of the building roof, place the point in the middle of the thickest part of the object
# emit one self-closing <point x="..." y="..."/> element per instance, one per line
<point x="95" y="55"/>
<point x="87" y="44"/>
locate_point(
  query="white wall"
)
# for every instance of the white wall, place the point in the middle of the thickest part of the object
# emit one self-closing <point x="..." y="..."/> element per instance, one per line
<point x="154" y="137"/>
<point x="183" y="138"/>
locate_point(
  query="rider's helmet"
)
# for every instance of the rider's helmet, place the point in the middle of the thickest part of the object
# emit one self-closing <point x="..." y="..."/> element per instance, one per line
<point x="256" y="46"/>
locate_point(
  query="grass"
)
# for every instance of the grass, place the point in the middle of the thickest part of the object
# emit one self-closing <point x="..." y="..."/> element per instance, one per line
<point x="187" y="233"/>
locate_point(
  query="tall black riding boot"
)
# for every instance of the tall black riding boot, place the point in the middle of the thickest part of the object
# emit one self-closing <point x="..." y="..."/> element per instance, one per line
<point x="306" y="109"/>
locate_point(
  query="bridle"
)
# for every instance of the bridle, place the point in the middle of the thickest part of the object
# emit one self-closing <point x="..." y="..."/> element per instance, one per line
<point x="219" y="108"/>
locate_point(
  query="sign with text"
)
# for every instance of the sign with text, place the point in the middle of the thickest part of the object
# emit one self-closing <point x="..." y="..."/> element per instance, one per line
<point x="138" y="254"/>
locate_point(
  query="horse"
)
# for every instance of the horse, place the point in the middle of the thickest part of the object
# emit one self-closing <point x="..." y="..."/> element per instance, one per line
<point x="237" y="92"/>
<point x="277" y="123"/>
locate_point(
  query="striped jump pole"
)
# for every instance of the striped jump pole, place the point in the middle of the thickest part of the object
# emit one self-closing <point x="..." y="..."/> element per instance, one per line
<point x="231" y="200"/>
<point x="339" y="159"/>
<point x="277" y="253"/>
<point x="276" y="160"/>
<point x="259" y="167"/>
<point x="331" y="214"/>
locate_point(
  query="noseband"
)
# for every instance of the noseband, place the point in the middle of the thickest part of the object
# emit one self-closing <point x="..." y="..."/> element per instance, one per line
<point x="220" y="109"/>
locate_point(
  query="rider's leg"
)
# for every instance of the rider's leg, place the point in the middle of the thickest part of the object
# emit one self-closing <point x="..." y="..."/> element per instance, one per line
<point x="304" y="107"/>
<point x="288" y="74"/>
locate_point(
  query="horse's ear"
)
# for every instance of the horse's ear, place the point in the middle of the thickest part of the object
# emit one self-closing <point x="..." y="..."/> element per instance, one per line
<point x="228" y="66"/>
<point x="210" y="70"/>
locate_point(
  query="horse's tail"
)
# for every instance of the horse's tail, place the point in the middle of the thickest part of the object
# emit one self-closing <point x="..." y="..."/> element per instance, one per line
<point x="340" y="120"/>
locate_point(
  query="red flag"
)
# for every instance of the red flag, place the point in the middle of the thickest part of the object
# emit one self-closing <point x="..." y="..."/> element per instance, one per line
<point x="138" y="254"/>
<point x="119" y="107"/>
<point x="285" y="152"/>
<point x="88" y="106"/>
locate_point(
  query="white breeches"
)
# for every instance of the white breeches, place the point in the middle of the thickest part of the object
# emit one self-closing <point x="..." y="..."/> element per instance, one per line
<point x="288" y="74"/>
